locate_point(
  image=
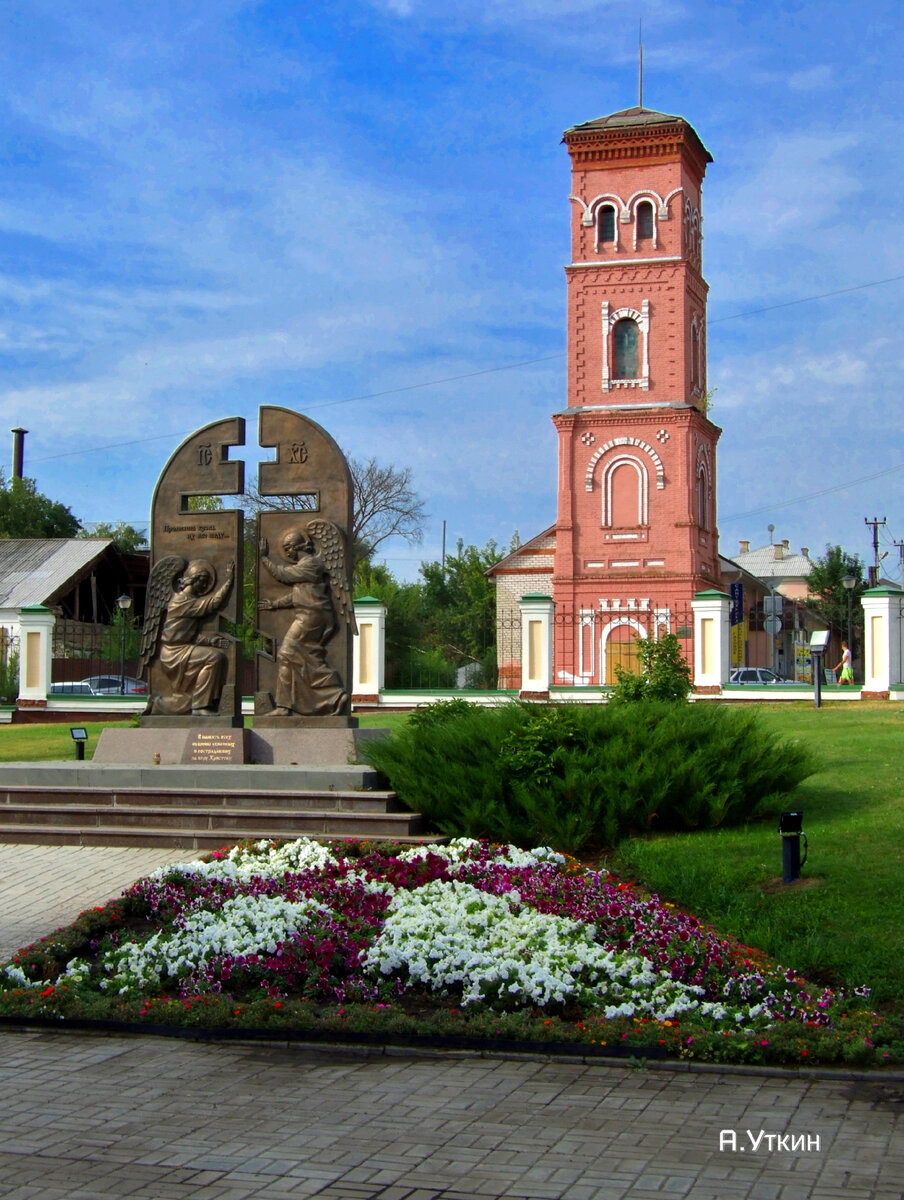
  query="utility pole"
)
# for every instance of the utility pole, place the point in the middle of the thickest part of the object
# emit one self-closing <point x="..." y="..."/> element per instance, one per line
<point x="874" y="569"/>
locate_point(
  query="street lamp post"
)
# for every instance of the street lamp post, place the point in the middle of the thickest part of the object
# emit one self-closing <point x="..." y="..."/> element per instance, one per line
<point x="850" y="582"/>
<point x="125" y="603"/>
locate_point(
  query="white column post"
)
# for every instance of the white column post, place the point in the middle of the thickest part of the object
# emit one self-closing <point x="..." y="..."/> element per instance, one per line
<point x="368" y="650"/>
<point x="882" y="641"/>
<point x="35" y="655"/>
<point x="712" y="640"/>
<point x="536" y="646"/>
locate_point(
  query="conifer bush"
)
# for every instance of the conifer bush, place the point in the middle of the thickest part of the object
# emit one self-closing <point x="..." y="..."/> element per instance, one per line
<point x="575" y="776"/>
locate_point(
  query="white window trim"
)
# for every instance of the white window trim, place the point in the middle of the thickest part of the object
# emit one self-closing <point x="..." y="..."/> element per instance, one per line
<point x="643" y="491"/>
<point x="608" y="321"/>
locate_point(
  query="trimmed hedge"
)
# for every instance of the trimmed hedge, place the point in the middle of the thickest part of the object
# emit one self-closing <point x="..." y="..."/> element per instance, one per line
<point x="573" y="776"/>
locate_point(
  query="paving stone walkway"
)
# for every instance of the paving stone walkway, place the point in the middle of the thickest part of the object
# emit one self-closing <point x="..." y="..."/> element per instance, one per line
<point x="86" y="1117"/>
<point x="44" y="887"/>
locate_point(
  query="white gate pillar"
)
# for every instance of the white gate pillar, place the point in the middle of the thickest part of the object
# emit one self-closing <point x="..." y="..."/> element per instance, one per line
<point x="537" y="613"/>
<point x="368" y="651"/>
<point x="35" y="655"/>
<point x="882" y="641"/>
<point x="712" y="640"/>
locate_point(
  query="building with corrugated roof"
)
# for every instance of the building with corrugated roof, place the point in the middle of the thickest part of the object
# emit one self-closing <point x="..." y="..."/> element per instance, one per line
<point x="78" y="579"/>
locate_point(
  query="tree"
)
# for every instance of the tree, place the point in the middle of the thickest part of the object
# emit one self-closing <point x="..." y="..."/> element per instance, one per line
<point x="828" y="595"/>
<point x="385" y="505"/>
<point x="125" y="537"/>
<point x="442" y="624"/>
<point x="26" y="513"/>
<point x="458" y="604"/>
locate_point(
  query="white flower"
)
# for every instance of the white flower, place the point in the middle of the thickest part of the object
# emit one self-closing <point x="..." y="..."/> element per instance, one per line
<point x="242" y="926"/>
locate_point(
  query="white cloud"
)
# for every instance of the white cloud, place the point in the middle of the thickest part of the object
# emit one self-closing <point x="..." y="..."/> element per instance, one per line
<point x="812" y="79"/>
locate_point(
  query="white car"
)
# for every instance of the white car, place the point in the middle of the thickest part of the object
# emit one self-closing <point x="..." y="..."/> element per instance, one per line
<point x="758" y="676"/>
<point x="101" y="685"/>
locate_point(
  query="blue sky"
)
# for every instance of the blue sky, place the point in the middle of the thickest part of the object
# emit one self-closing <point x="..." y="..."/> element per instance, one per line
<point x="209" y="206"/>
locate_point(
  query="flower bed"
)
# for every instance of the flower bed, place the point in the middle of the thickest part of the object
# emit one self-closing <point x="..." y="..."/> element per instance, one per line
<point x="467" y="938"/>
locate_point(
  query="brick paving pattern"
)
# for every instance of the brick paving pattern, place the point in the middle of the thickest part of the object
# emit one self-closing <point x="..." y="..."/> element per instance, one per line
<point x="108" y="1117"/>
<point x="44" y="887"/>
<point x="153" y="1119"/>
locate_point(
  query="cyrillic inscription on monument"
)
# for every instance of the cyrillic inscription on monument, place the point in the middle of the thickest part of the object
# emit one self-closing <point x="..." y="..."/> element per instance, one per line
<point x="215" y="746"/>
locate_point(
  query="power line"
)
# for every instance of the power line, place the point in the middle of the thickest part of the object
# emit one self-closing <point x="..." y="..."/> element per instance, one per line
<point x="409" y="387"/>
<point x="527" y="362"/>
<point x="838" y="487"/>
<point x="859" y="287"/>
<point x="159" y="437"/>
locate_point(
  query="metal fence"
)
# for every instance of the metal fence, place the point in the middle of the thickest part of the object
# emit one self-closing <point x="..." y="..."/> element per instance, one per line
<point x="591" y="647"/>
<point x="468" y="663"/>
<point x="93" y="659"/>
<point x="9" y="666"/>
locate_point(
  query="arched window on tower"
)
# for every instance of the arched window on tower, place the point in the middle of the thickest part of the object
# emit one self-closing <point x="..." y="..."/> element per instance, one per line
<point x="625" y="349"/>
<point x="606" y="225"/>
<point x="695" y="357"/>
<point x="701" y="499"/>
<point x="644" y="216"/>
<point x="626" y="503"/>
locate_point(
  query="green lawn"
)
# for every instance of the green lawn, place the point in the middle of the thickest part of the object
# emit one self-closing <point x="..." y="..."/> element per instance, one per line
<point x="844" y="923"/>
<point x="48" y="743"/>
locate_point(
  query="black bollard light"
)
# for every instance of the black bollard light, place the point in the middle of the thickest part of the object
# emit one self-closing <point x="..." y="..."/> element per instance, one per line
<point x="819" y="641"/>
<point x="790" y="827"/>
<point x="79" y="735"/>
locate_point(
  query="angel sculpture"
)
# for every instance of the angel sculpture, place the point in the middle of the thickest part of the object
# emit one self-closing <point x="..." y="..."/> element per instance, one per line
<point x="305" y="682"/>
<point x="181" y="597"/>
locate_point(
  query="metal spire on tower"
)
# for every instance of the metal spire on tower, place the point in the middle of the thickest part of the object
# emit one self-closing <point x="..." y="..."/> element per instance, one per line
<point x="640" y="62"/>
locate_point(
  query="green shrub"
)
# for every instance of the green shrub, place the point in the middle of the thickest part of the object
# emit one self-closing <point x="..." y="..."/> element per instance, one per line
<point x="573" y="776"/>
<point x="664" y="673"/>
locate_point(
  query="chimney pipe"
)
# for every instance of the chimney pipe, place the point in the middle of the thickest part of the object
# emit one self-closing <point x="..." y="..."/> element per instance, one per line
<point x="18" y="451"/>
<point x="745" y="545"/>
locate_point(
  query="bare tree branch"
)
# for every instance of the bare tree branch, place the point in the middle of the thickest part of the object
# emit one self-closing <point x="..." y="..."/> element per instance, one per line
<point x="385" y="506"/>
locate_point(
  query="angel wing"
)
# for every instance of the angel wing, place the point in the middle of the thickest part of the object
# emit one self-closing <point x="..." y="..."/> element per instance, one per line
<point x="330" y="543"/>
<point x="160" y="587"/>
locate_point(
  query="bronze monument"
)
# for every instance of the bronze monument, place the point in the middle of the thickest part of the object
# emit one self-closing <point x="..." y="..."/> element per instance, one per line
<point x="303" y="594"/>
<point x="193" y="666"/>
<point x="182" y="597"/>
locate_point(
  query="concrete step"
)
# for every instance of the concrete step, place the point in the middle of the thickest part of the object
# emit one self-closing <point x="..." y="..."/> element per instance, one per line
<point x="188" y="839"/>
<point x="260" y="823"/>
<point x="292" y="802"/>
<point x="347" y="777"/>
<point x="196" y="808"/>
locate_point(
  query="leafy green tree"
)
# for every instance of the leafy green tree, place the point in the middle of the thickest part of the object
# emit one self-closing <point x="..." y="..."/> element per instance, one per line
<point x="829" y="596"/>
<point x="459" y="605"/>
<point x="442" y="623"/>
<point x="125" y="537"/>
<point x="664" y="673"/>
<point x="27" y="513"/>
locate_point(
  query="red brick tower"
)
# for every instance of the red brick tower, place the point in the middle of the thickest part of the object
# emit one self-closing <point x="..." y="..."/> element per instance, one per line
<point x="636" y="531"/>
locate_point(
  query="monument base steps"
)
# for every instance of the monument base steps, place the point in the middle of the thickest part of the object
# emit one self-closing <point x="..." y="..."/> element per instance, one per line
<point x="197" y="807"/>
